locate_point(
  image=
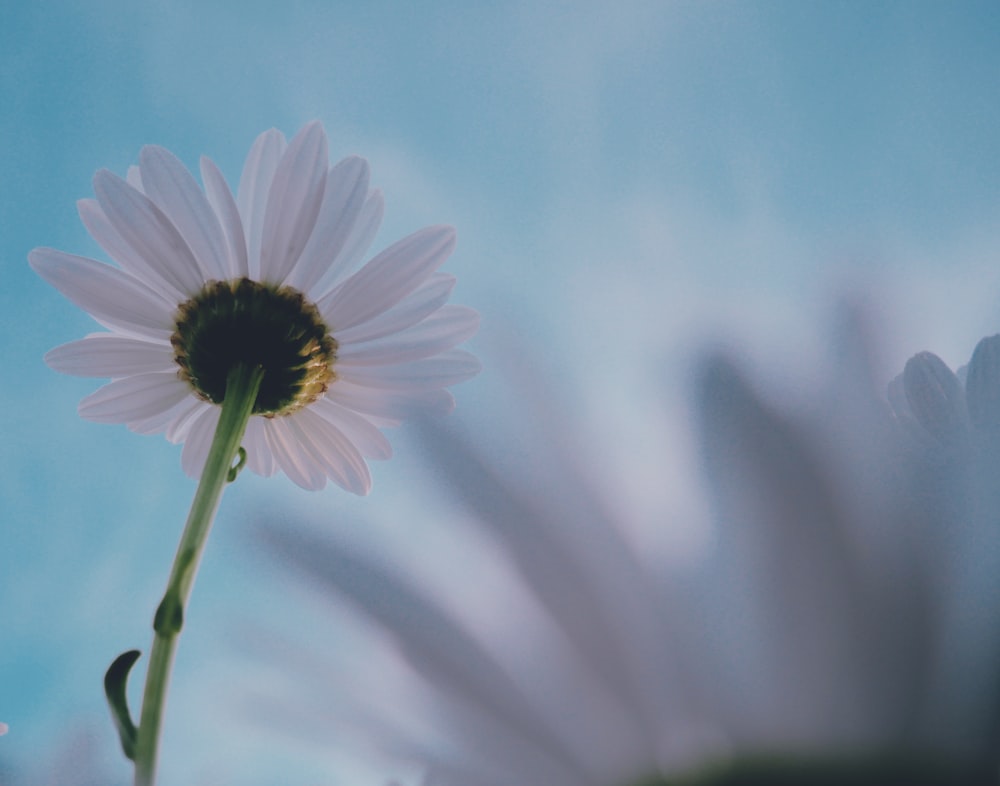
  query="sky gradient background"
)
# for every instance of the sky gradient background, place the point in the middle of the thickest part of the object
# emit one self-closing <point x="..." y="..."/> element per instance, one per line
<point x="631" y="182"/>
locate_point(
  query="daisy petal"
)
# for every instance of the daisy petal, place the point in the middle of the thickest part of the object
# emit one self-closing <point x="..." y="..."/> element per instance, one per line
<point x="294" y="455"/>
<point x="423" y="302"/>
<point x="389" y="406"/>
<point x="108" y="355"/>
<point x="346" y="189"/>
<point x="103" y="232"/>
<point x="111" y="296"/>
<point x="178" y="429"/>
<point x="333" y="450"/>
<point x="148" y="232"/>
<point x="448" y="327"/>
<point x="199" y="441"/>
<point x="935" y="396"/>
<point x="448" y="368"/>
<point x="362" y="432"/>
<point x="896" y="394"/>
<point x="982" y="385"/>
<point x="168" y="419"/>
<point x="255" y="182"/>
<point x="293" y="203"/>
<point x="259" y="456"/>
<point x="133" y="176"/>
<point x="134" y="398"/>
<point x="221" y="198"/>
<point x="169" y="184"/>
<point x="388" y="278"/>
<point x="100" y="229"/>
<point x="429" y="636"/>
<point x="365" y="228"/>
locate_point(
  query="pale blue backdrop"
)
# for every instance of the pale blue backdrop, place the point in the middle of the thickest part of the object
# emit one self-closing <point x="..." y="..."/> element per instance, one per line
<point x="629" y="180"/>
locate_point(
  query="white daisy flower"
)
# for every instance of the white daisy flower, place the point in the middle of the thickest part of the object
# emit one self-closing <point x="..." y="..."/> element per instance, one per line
<point x="842" y="629"/>
<point x="269" y="277"/>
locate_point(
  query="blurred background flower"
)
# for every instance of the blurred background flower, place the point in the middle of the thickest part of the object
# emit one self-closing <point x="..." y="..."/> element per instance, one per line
<point x="841" y="615"/>
<point x="626" y="178"/>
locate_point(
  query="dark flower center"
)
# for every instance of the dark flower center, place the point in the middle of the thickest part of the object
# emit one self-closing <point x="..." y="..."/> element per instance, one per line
<point x="246" y="322"/>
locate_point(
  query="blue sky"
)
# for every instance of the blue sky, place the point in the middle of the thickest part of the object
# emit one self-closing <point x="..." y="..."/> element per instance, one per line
<point x="630" y="182"/>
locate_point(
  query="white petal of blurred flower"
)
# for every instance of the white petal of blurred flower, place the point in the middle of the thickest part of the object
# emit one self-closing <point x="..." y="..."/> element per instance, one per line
<point x="846" y="612"/>
<point x="206" y="279"/>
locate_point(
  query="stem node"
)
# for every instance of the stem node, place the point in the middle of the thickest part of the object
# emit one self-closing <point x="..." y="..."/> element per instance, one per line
<point x="169" y="618"/>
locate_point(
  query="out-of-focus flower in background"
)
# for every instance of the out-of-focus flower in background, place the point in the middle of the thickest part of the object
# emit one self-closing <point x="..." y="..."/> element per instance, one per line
<point x="842" y="623"/>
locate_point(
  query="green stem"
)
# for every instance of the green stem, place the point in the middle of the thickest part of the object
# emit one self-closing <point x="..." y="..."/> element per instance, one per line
<point x="241" y="394"/>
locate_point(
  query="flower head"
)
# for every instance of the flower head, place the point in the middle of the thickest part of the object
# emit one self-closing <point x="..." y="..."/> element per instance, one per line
<point x="267" y="278"/>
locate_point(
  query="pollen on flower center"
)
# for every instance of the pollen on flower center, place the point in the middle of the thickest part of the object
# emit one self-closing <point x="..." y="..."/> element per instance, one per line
<point x="247" y="322"/>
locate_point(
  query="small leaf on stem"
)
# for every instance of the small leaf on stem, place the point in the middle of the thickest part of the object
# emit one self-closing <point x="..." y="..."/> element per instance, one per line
<point x="115" y="682"/>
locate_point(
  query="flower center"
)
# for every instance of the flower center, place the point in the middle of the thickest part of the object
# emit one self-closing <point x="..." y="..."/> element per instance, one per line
<point x="246" y="322"/>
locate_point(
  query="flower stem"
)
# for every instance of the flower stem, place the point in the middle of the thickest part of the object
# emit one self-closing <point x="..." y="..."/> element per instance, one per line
<point x="242" y="385"/>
